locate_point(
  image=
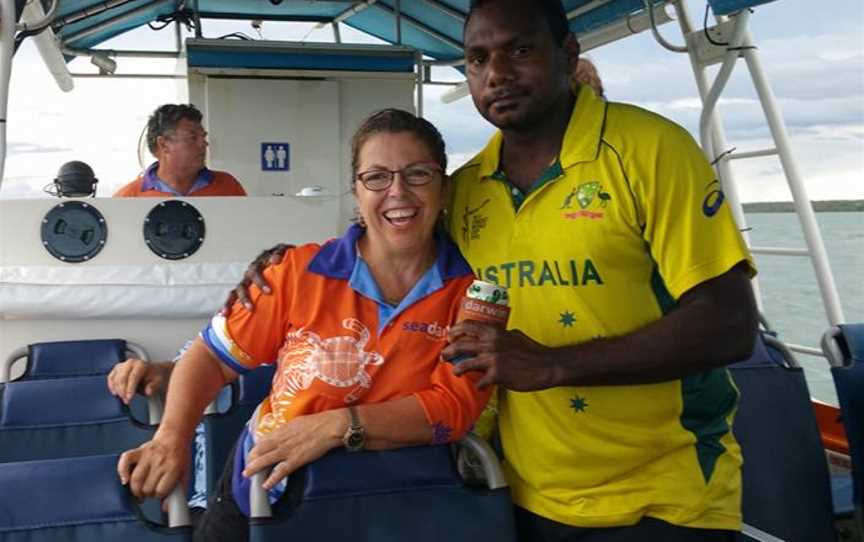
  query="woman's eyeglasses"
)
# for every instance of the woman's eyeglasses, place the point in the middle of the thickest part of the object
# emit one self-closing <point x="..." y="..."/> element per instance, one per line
<point x="414" y="175"/>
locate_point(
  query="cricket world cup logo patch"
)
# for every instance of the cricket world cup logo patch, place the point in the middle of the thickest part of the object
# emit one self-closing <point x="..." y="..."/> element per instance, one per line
<point x="473" y="222"/>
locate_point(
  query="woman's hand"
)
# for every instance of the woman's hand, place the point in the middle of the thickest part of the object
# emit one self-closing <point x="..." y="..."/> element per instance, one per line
<point x="135" y="374"/>
<point x="253" y="275"/>
<point x="297" y="443"/>
<point x="155" y="468"/>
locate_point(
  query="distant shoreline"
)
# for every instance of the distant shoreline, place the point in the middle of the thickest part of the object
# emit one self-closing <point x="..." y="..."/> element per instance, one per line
<point x="828" y="206"/>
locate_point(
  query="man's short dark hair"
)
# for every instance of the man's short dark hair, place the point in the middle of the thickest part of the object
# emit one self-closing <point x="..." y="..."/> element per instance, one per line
<point x="552" y="11"/>
<point x="166" y="118"/>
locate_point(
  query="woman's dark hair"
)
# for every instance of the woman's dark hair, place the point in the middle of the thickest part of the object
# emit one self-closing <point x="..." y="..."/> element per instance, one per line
<point x="392" y="121"/>
<point x="166" y="118"/>
<point x="551" y="10"/>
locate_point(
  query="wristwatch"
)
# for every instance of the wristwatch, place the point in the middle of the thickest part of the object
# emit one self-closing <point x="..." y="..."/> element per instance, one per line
<point x="355" y="435"/>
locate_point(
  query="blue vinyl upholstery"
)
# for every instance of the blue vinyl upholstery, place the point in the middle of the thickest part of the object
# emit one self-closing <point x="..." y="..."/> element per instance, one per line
<point x="72" y="500"/>
<point x="849" y="382"/>
<point x="64" y="417"/>
<point x="786" y="486"/>
<point x="411" y="494"/>
<point x="342" y="474"/>
<point x="74" y="358"/>
<point x="61" y="406"/>
<point x="222" y="430"/>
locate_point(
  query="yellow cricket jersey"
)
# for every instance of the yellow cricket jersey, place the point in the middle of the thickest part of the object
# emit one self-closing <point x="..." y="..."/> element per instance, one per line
<point x="628" y="219"/>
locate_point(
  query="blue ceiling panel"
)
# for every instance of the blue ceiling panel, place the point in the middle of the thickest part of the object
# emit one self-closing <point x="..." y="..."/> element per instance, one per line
<point x="604" y="15"/>
<point x="429" y="25"/>
<point x="436" y="19"/>
<point x="127" y="17"/>
<point x="378" y="23"/>
<point x="459" y="5"/>
<point x="725" y="7"/>
<point x="295" y="9"/>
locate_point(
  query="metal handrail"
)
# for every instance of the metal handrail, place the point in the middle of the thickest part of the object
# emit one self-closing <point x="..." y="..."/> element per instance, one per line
<point x="6" y="369"/>
<point x="809" y="350"/>
<point x="488" y="460"/>
<point x="734" y="155"/>
<point x="784" y="349"/>
<point x="718" y="139"/>
<point x="780" y="251"/>
<point x="178" y="508"/>
<point x="803" y="208"/>
<point x="733" y="51"/>
<point x="831" y="350"/>
<point x="758" y="534"/>
<point x="656" y="33"/>
<point x="155" y="403"/>
<point x="259" y="502"/>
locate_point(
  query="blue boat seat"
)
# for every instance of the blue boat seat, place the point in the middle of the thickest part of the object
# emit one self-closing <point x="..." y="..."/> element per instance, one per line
<point x="222" y="429"/>
<point x="844" y="347"/>
<point x="412" y="494"/>
<point x="64" y="417"/>
<point x="71" y="358"/>
<point x="786" y="485"/>
<point x="75" y="500"/>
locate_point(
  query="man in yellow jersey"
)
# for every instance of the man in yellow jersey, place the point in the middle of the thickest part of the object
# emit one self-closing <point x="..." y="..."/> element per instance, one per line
<point x="629" y="288"/>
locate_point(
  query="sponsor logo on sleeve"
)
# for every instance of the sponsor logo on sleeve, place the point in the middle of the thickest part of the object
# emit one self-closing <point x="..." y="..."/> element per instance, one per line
<point x="713" y="199"/>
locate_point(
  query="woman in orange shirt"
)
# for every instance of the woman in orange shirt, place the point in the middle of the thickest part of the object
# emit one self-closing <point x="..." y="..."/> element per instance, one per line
<point x="356" y="326"/>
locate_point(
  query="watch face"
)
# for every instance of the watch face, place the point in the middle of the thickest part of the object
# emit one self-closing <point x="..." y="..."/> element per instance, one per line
<point x="355" y="440"/>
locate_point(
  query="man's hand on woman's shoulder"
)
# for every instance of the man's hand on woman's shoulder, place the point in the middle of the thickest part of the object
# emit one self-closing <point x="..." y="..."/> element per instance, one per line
<point x="254" y="275"/>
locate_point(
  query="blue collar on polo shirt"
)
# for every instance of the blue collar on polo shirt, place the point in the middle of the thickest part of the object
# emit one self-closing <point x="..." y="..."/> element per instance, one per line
<point x="340" y="259"/>
<point x="151" y="181"/>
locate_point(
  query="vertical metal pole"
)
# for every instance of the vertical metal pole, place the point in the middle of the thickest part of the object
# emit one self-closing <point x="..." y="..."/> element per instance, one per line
<point x="418" y="60"/>
<point x="730" y="59"/>
<point x="178" y="31"/>
<point x="7" y="48"/>
<point x="806" y="216"/>
<point x="178" y="37"/>
<point x="337" y="36"/>
<point x="197" y="16"/>
<point x="718" y="141"/>
<point x="397" y="11"/>
<point x="259" y="502"/>
<point x="178" y="509"/>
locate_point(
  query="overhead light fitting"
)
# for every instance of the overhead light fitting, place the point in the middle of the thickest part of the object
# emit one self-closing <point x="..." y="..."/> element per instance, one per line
<point x="106" y="65"/>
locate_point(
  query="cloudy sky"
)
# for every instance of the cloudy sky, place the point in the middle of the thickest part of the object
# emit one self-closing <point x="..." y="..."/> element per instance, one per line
<point x="814" y="59"/>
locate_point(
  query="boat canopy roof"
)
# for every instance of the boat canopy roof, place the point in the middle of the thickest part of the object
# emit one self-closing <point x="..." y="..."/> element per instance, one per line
<point x="431" y="26"/>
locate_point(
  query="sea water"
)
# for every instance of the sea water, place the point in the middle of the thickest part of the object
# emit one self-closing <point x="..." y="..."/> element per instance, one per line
<point x="790" y="293"/>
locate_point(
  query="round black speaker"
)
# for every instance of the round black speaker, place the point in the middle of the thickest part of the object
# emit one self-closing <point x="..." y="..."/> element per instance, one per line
<point x="174" y="230"/>
<point x="74" y="231"/>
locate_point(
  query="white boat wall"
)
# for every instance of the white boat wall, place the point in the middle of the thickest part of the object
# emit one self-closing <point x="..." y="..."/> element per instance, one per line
<point x="126" y="290"/>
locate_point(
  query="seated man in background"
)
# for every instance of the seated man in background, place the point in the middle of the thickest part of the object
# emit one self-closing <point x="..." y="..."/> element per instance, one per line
<point x="179" y="143"/>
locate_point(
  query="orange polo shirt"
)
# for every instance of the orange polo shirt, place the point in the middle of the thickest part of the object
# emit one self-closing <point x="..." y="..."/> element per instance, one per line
<point x="208" y="183"/>
<point x="338" y="343"/>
